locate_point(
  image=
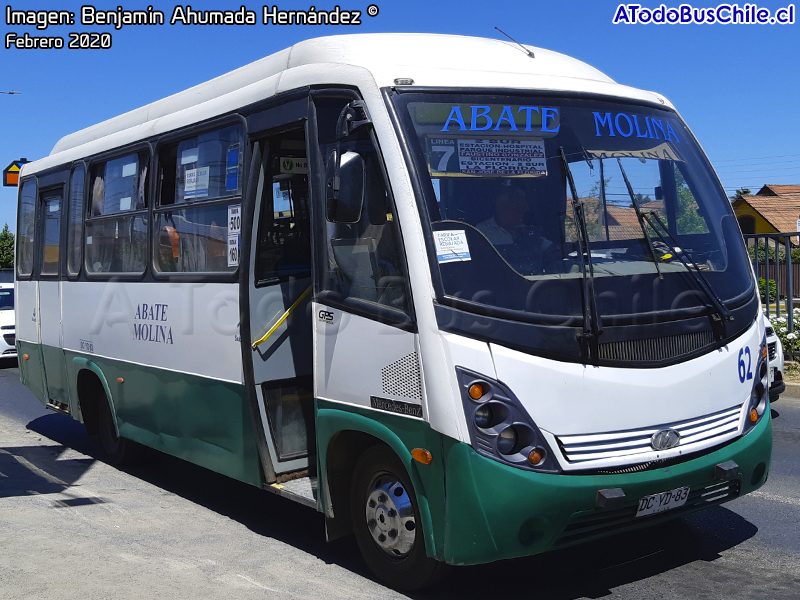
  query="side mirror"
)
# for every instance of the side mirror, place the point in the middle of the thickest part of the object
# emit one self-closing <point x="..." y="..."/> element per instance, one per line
<point x="344" y="187"/>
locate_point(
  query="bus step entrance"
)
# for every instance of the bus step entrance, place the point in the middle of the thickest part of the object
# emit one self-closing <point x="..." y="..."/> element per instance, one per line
<point x="302" y="490"/>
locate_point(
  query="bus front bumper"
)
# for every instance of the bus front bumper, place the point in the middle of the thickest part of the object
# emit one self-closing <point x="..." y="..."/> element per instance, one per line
<point x="494" y="511"/>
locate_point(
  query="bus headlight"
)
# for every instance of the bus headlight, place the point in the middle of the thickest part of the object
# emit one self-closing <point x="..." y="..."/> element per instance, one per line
<point x="759" y="396"/>
<point x="500" y="428"/>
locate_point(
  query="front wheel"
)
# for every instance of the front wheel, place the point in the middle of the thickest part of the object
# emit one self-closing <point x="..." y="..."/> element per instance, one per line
<point x="118" y="451"/>
<point x="386" y="523"/>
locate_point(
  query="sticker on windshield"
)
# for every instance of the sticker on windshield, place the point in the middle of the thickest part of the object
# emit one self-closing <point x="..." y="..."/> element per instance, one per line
<point x="485" y="156"/>
<point x="663" y="151"/>
<point x="451" y="246"/>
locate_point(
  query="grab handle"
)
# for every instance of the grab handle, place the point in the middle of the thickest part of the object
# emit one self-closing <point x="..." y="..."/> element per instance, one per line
<point x="272" y="329"/>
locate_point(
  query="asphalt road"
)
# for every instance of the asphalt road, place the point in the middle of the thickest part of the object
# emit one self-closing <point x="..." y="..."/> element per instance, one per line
<point x="74" y="527"/>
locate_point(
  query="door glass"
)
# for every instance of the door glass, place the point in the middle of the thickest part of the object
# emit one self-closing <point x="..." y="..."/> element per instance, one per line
<point x="290" y="405"/>
<point x="52" y="228"/>
<point x="284" y="242"/>
<point x="74" y="233"/>
<point x="364" y="256"/>
<point x="26" y="227"/>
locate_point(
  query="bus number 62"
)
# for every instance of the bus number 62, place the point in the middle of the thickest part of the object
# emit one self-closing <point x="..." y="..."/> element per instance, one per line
<point x="745" y="372"/>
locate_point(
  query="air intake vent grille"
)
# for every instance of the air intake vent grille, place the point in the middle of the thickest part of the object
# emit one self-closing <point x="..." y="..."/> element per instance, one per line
<point x="402" y="378"/>
<point x="657" y="348"/>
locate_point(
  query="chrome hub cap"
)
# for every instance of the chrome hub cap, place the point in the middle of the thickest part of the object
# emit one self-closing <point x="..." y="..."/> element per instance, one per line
<point x="390" y="516"/>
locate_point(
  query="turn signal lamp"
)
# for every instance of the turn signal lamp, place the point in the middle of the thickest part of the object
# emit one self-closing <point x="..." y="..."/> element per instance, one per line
<point x="476" y="391"/>
<point x="753" y="415"/>
<point x="763" y="352"/>
<point x="421" y="456"/>
<point x="536" y="456"/>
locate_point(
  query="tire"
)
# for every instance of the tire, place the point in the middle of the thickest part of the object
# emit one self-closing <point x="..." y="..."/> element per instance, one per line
<point x="385" y="518"/>
<point x="118" y="451"/>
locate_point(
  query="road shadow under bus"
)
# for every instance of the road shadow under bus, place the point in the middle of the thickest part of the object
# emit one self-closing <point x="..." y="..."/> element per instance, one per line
<point x="591" y="570"/>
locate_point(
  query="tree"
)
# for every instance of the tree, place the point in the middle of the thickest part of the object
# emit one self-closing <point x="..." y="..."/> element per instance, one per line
<point x="6" y="248"/>
<point x="688" y="220"/>
<point x="740" y="193"/>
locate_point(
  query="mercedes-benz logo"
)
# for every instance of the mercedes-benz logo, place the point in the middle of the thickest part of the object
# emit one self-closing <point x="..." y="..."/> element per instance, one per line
<point x="665" y="439"/>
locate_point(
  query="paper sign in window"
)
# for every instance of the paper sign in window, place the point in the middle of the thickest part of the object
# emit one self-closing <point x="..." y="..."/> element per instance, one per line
<point x="196" y="183"/>
<point x="455" y="157"/>
<point x="129" y="170"/>
<point x="233" y="250"/>
<point x="451" y="246"/>
<point x="234" y="219"/>
<point x="501" y="157"/>
<point x="232" y="169"/>
<point x="125" y="203"/>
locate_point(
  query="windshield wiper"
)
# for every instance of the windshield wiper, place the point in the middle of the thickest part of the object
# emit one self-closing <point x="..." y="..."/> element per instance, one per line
<point x="722" y="311"/>
<point x="640" y="218"/>
<point x="723" y="314"/>
<point x="592" y="328"/>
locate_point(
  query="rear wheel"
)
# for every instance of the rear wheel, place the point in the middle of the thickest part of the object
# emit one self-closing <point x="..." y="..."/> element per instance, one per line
<point x="118" y="450"/>
<point x="386" y="523"/>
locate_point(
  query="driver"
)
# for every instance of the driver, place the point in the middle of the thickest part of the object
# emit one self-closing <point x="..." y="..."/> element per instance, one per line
<point x="520" y="244"/>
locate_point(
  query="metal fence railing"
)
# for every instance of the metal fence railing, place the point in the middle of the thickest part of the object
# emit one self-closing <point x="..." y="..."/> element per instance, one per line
<point x="773" y="263"/>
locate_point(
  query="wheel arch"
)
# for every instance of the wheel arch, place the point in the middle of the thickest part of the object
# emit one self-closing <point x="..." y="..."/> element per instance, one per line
<point x="90" y="380"/>
<point x="342" y="437"/>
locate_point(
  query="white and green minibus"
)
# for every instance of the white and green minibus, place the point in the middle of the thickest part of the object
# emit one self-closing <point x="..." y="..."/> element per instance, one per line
<point x="471" y="300"/>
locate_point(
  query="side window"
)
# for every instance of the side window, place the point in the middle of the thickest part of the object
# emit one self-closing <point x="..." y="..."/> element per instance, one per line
<point x="116" y="226"/>
<point x="75" y="222"/>
<point x="26" y="228"/>
<point x="364" y="257"/>
<point x="284" y="232"/>
<point x="200" y="189"/>
<point x="51" y="230"/>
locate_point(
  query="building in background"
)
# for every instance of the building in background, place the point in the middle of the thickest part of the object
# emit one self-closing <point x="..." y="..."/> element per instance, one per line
<point x="773" y="209"/>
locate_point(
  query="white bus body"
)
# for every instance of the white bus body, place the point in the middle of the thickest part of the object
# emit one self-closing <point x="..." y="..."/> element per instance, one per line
<point x="488" y="389"/>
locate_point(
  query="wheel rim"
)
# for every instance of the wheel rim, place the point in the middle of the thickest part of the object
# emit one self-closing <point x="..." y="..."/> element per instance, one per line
<point x="390" y="516"/>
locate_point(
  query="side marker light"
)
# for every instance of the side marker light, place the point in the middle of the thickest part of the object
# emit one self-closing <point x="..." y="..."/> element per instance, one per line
<point x="421" y="456"/>
<point x="25" y="356"/>
<point x="120" y="380"/>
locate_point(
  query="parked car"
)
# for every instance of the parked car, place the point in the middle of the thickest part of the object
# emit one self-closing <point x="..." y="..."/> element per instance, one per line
<point x="8" y="347"/>
<point x="775" y="349"/>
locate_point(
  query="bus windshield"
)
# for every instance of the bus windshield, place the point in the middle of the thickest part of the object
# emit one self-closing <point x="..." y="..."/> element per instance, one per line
<point x="507" y="231"/>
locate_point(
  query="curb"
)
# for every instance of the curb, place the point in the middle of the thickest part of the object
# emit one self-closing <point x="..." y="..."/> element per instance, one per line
<point x="793" y="384"/>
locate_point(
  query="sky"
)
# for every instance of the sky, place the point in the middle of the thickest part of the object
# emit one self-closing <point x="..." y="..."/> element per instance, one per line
<point x="736" y="85"/>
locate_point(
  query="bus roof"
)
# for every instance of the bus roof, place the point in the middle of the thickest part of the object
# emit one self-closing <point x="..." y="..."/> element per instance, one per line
<point x="428" y="59"/>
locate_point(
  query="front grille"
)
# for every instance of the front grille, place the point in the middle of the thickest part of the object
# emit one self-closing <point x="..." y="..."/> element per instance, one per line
<point x="772" y="348"/>
<point x="625" y="445"/>
<point x="656" y="349"/>
<point x="603" y="522"/>
<point x="7" y="327"/>
<point x="769" y="331"/>
<point x="10" y="339"/>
